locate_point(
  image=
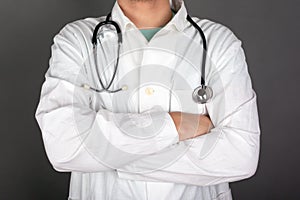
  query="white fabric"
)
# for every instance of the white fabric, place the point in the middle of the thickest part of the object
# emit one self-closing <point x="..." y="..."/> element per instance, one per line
<point x="100" y="138"/>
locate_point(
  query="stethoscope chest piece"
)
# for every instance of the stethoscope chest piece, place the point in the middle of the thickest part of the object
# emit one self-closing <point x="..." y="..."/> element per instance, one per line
<point x="202" y="94"/>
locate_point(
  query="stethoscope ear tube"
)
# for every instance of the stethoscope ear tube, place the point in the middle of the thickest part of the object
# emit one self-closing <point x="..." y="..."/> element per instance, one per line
<point x="88" y="87"/>
<point x="188" y="17"/>
<point x="107" y="21"/>
<point x="94" y="42"/>
<point x="203" y="93"/>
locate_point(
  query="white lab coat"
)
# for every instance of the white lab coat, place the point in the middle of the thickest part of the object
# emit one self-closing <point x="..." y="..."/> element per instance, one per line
<point x="125" y="145"/>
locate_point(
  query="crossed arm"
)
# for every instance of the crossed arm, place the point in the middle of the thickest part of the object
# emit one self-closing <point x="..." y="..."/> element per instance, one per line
<point x="77" y="138"/>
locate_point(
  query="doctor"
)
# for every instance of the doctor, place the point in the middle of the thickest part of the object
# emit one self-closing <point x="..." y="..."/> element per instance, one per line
<point x="150" y="141"/>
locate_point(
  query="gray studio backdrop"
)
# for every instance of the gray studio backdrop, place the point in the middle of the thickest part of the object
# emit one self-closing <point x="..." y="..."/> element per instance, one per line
<point x="270" y="33"/>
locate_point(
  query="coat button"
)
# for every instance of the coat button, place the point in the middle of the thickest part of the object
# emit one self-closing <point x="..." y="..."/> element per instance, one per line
<point x="149" y="91"/>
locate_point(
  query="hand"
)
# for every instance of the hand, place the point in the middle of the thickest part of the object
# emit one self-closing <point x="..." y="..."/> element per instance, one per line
<point x="191" y="125"/>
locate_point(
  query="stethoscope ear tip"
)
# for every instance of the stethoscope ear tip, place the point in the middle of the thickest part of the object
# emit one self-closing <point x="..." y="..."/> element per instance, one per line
<point x="124" y="87"/>
<point x="86" y="86"/>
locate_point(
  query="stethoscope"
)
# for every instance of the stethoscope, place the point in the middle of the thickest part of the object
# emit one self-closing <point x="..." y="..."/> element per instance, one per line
<point x="201" y="94"/>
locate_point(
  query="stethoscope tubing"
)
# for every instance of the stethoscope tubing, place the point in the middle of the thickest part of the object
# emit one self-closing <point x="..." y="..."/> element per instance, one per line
<point x="200" y="95"/>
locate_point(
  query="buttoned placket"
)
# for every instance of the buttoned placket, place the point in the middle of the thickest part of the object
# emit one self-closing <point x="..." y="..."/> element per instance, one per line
<point x="150" y="93"/>
<point x="150" y="90"/>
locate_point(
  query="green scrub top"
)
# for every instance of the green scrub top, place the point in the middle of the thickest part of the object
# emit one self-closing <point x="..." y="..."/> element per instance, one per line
<point x="149" y="33"/>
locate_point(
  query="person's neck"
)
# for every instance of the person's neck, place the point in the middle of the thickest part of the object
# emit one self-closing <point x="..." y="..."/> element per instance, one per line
<point x="147" y="13"/>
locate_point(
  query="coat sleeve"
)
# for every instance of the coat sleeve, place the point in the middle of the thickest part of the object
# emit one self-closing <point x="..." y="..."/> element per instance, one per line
<point x="230" y="151"/>
<point x="78" y="138"/>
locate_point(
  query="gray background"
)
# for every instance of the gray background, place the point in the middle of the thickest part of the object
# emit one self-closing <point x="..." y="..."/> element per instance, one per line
<point x="270" y="33"/>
